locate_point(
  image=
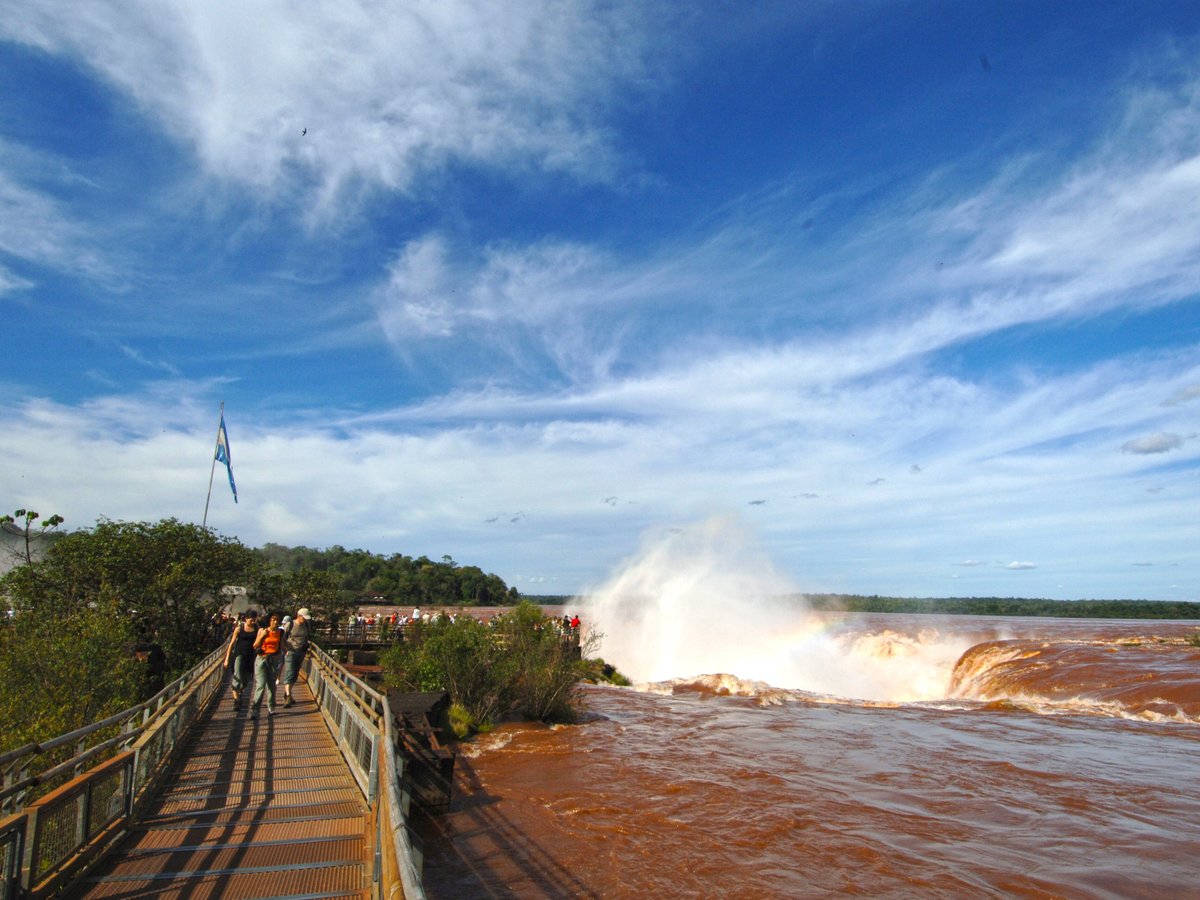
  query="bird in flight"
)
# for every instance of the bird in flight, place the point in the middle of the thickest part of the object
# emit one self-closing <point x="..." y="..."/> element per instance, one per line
<point x="304" y="132"/>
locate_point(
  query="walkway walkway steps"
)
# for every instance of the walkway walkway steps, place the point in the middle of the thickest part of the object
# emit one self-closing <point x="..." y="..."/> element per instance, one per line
<point x="260" y="807"/>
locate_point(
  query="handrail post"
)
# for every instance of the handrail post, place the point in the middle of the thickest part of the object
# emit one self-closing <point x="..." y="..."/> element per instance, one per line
<point x="26" y="876"/>
<point x="373" y="775"/>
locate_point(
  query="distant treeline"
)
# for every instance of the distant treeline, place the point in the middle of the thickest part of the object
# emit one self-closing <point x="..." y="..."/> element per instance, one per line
<point x="1009" y="606"/>
<point x="552" y="599"/>
<point x="981" y="606"/>
<point x="396" y="579"/>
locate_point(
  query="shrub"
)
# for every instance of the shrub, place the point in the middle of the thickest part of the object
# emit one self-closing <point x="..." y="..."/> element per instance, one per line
<point x="461" y="657"/>
<point x="57" y="675"/>
<point x="520" y="666"/>
<point x="600" y="672"/>
<point x="461" y="721"/>
<point x="547" y="667"/>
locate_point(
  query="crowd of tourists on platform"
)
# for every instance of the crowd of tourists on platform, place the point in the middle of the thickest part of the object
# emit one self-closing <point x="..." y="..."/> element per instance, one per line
<point x="270" y="653"/>
<point x="382" y="625"/>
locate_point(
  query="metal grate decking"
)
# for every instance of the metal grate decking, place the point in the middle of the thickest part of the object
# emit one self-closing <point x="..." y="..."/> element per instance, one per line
<point x="260" y="807"/>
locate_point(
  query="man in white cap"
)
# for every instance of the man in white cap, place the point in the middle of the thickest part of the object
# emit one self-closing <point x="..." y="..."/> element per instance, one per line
<point x="297" y="646"/>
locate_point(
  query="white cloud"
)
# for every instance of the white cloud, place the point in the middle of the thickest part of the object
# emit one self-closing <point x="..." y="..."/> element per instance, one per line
<point x="1032" y="468"/>
<point x="1020" y="565"/>
<point x="11" y="283"/>
<point x="1184" y="395"/>
<point x="1116" y="227"/>
<point x="417" y="296"/>
<point x="143" y="360"/>
<point x="387" y="92"/>
<point x="1162" y="442"/>
<point x="434" y="294"/>
<point x="36" y="228"/>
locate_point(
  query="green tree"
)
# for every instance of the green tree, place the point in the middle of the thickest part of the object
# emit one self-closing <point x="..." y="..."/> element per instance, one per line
<point x="548" y="667"/>
<point x="163" y="579"/>
<point x="398" y="578"/>
<point x="28" y="532"/>
<point x="57" y="675"/>
<point x="319" y="592"/>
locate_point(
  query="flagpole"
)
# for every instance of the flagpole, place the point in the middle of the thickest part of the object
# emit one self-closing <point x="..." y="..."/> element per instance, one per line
<point x="213" y="468"/>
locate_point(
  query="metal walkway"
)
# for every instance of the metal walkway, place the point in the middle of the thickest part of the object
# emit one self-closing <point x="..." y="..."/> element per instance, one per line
<point x="185" y="796"/>
<point x="260" y="807"/>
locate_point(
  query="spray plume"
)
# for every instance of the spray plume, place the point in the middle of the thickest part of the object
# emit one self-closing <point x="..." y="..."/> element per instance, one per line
<point x="705" y="599"/>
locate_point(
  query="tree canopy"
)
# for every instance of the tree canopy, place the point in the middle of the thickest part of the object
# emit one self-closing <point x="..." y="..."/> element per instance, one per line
<point x="164" y="580"/>
<point x="398" y="579"/>
<point x="77" y="614"/>
<point x="1009" y="606"/>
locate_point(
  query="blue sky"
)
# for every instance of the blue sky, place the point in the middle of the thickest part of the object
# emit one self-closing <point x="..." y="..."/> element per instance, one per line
<point x="906" y="290"/>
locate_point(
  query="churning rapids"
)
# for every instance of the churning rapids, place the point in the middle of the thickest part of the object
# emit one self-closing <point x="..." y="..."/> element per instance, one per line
<point x="768" y="751"/>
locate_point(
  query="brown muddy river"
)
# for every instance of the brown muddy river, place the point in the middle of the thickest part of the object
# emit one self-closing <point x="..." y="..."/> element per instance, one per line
<point x="983" y="758"/>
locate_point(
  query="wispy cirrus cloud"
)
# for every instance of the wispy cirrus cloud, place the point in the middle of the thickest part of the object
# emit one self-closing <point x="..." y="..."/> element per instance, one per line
<point x="1161" y="442"/>
<point x="1118" y="227"/>
<point x="431" y="292"/>
<point x="1183" y="395"/>
<point x="388" y="94"/>
<point x="37" y="229"/>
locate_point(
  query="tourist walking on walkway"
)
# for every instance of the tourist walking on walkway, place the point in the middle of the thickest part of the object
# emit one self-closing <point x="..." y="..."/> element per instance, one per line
<point x="296" y="646"/>
<point x="241" y="653"/>
<point x="267" y="647"/>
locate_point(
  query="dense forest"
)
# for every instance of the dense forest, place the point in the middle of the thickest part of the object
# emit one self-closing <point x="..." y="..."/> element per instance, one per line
<point x="1009" y="606"/>
<point x="395" y="579"/>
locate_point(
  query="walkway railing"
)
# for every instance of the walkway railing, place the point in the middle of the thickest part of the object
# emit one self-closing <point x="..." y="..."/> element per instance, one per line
<point x="364" y="729"/>
<point x="381" y="633"/>
<point x="96" y="794"/>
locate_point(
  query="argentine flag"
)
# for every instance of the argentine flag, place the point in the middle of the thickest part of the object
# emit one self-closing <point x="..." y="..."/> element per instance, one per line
<point x="223" y="454"/>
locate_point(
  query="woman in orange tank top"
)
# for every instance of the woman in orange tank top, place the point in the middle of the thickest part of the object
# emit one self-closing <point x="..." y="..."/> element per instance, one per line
<point x="267" y="648"/>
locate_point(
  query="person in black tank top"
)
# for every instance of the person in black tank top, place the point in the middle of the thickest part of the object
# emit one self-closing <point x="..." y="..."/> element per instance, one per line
<point x="240" y="652"/>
